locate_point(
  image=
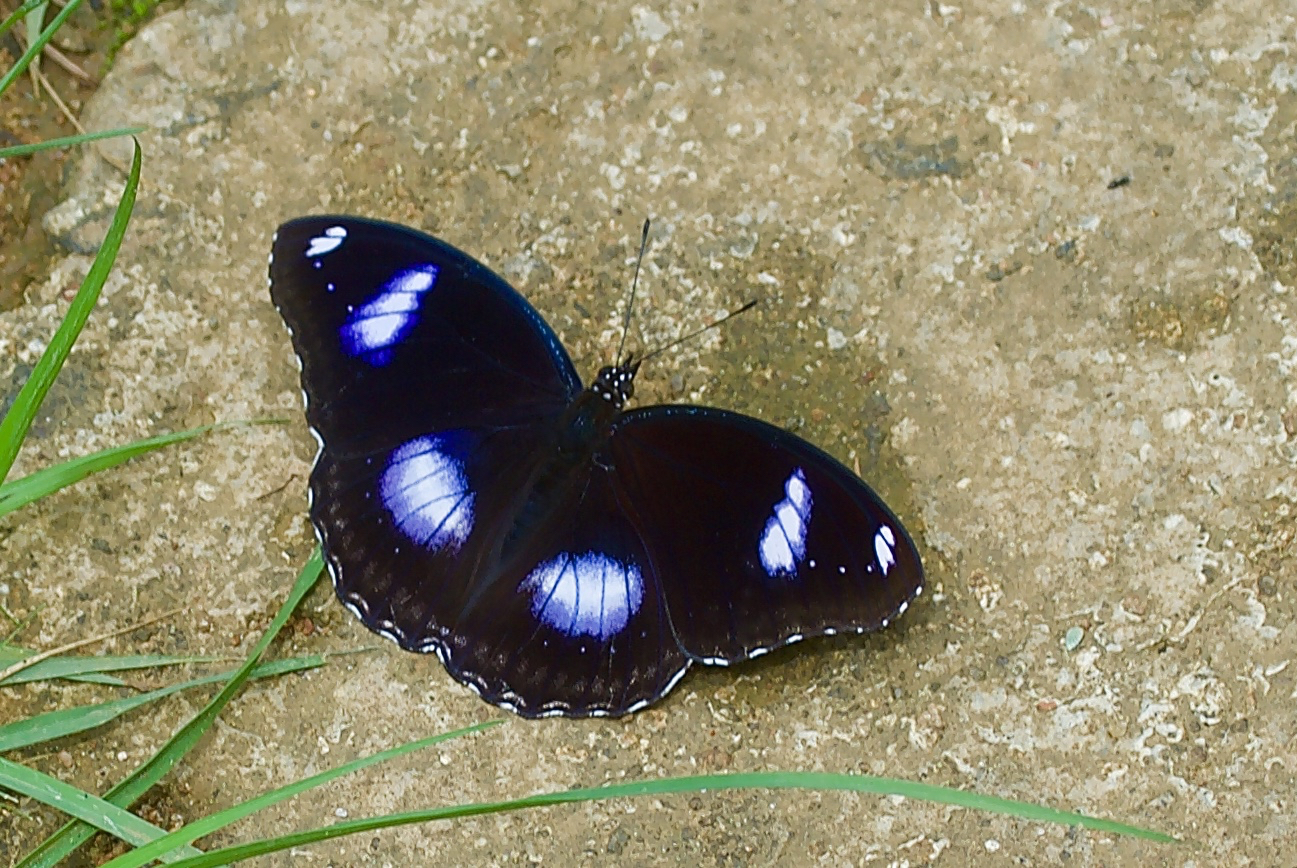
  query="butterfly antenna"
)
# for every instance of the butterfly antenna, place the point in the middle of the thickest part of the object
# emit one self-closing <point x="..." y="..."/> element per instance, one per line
<point x="630" y="303"/>
<point x="696" y="332"/>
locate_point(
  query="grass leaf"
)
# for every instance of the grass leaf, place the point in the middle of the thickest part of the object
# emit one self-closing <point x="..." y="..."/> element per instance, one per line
<point x="70" y="721"/>
<point x="78" y="667"/>
<point x="51" y="791"/>
<point x="19" y="14"/>
<point x="820" y="781"/>
<point x="50" y="653"/>
<point x="207" y="825"/>
<point x="61" y="844"/>
<point x="13" y="428"/>
<point x="36" y="47"/>
<point x="20" y="492"/>
<point x="67" y="142"/>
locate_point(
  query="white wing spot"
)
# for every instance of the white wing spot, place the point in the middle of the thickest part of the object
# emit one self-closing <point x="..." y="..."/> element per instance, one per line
<point x="783" y="541"/>
<point x="885" y="548"/>
<point x="328" y="242"/>
<point x="427" y="493"/>
<point x="590" y="594"/>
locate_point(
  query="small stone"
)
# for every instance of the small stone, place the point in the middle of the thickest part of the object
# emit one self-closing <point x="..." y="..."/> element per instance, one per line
<point x="617" y="841"/>
<point x="1290" y="422"/>
<point x="1136" y="605"/>
<point x="715" y="758"/>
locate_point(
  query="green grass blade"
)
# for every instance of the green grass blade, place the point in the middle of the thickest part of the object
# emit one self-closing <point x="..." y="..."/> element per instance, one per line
<point x="207" y="825"/>
<point x="668" y="786"/>
<point x="67" y="142"/>
<point x="78" y="667"/>
<point x="80" y="804"/>
<point x="19" y="14"/>
<point x="61" y="844"/>
<point x="38" y="45"/>
<point x="20" y="492"/>
<point x="94" y="678"/>
<point x="70" y="721"/>
<point x="34" y="22"/>
<point x="13" y="428"/>
<point x="10" y="654"/>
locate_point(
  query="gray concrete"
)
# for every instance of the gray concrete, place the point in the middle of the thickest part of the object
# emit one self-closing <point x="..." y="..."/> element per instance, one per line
<point x="1086" y="397"/>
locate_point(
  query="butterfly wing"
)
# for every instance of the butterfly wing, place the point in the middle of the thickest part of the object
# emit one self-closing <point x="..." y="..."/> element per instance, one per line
<point x="572" y="620"/>
<point x="400" y="334"/>
<point x="426" y="377"/>
<point x="760" y="538"/>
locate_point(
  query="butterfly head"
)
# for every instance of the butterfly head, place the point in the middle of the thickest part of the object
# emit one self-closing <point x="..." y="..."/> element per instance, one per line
<point x="616" y="383"/>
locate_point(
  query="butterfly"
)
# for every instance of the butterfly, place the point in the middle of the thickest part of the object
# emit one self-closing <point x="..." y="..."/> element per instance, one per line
<point x="560" y="554"/>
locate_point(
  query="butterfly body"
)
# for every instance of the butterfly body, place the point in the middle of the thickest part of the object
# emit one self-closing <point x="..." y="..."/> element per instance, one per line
<point x="559" y="553"/>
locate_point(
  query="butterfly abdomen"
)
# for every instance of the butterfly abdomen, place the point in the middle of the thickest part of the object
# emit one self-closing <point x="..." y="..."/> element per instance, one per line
<point x="554" y="482"/>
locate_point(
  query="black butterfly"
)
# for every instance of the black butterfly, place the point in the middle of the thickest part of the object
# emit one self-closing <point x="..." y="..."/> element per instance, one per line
<point x="561" y="556"/>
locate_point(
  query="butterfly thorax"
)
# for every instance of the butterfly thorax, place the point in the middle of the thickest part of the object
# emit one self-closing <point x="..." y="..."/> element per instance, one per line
<point x="616" y="383"/>
<point x="585" y="425"/>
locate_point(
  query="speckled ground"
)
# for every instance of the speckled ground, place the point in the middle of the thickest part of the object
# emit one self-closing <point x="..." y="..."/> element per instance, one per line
<point x="1030" y="265"/>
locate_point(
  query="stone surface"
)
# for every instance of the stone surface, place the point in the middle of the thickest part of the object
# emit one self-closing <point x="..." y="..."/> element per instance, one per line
<point x="1078" y="391"/>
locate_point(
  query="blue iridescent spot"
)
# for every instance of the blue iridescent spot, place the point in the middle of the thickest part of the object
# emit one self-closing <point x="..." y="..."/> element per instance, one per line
<point x="426" y="491"/>
<point x="783" y="541"/>
<point x="589" y="594"/>
<point x="372" y="329"/>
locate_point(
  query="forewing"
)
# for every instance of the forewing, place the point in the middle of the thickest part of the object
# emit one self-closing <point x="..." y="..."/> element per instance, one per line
<point x="400" y="335"/>
<point x="759" y="537"/>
